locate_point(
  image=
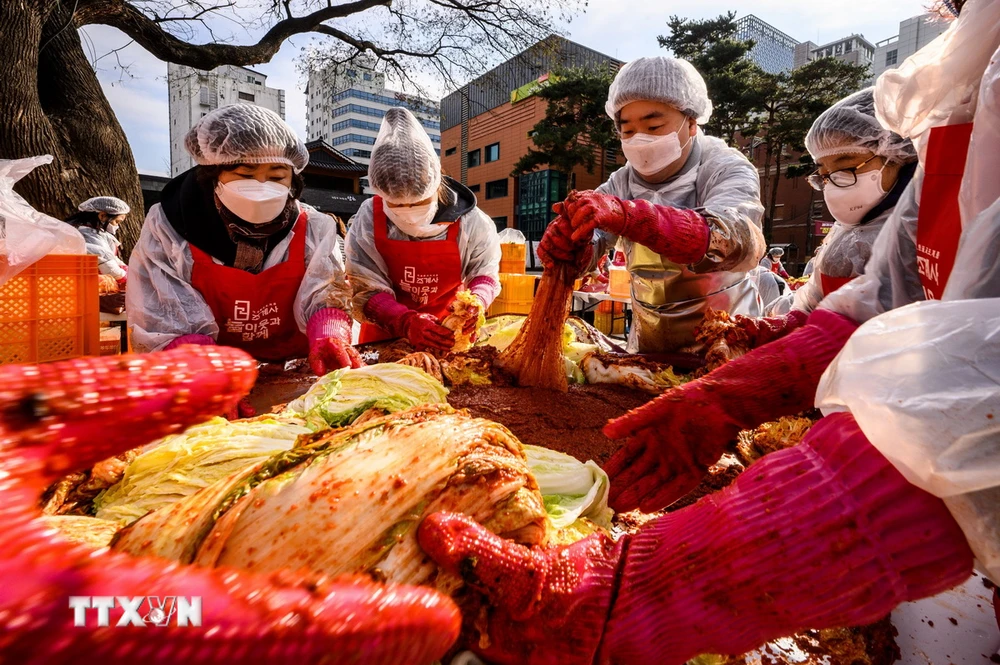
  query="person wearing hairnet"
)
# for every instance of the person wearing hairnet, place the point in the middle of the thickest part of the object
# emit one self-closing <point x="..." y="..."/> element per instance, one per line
<point x="230" y="256"/>
<point x="97" y="220"/>
<point x="827" y="533"/>
<point x="686" y="204"/>
<point x="772" y="262"/>
<point x="417" y="243"/>
<point x="863" y="171"/>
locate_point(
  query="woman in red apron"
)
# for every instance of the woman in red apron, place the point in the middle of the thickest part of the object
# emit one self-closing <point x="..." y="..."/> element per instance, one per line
<point x="231" y="257"/>
<point x="418" y="243"/>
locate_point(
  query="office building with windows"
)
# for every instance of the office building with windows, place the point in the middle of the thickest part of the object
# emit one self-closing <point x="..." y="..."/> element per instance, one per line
<point x="486" y="127"/>
<point x="914" y="34"/>
<point x="854" y="49"/>
<point x="773" y="50"/>
<point x="346" y="104"/>
<point x="193" y="93"/>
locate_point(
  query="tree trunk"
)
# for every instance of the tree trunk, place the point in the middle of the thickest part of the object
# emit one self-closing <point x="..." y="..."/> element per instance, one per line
<point x="775" y="181"/>
<point x="765" y="183"/>
<point x="52" y="103"/>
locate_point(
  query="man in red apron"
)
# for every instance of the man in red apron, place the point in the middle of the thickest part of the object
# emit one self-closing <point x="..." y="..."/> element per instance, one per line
<point x="418" y="243"/>
<point x="230" y="256"/>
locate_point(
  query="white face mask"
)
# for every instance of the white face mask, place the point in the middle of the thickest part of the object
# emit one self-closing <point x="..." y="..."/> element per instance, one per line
<point x="416" y="221"/>
<point x="849" y="205"/>
<point x="253" y="201"/>
<point x="649" y="154"/>
<point x="112" y="229"/>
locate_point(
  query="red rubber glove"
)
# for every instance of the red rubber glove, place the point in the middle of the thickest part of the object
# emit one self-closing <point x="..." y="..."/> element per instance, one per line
<point x="425" y="332"/>
<point x="557" y="246"/>
<point x="422" y="330"/>
<point x="329" y="333"/>
<point x="673" y="439"/>
<point x="825" y="534"/>
<point x="682" y="236"/>
<point x="765" y="329"/>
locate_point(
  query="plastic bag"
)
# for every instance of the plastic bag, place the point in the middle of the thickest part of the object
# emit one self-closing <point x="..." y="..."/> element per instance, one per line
<point x="937" y="85"/>
<point x="923" y="383"/>
<point x="27" y="235"/>
<point x="512" y="237"/>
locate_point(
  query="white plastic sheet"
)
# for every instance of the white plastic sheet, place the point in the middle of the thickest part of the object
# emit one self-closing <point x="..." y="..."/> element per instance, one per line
<point x="27" y="235"/>
<point x="923" y="383"/>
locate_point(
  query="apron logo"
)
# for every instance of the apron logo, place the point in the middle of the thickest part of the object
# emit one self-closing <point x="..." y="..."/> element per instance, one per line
<point x="253" y="326"/>
<point x="421" y="287"/>
<point x="241" y="312"/>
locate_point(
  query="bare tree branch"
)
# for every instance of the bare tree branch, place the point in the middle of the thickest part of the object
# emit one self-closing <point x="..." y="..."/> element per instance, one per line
<point x="147" y="32"/>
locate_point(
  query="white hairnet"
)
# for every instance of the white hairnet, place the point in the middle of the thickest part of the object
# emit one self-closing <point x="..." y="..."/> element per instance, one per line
<point x="245" y="134"/>
<point x="660" y="79"/>
<point x="404" y="167"/>
<point x="106" y="204"/>
<point x="850" y="127"/>
<point x="776" y="251"/>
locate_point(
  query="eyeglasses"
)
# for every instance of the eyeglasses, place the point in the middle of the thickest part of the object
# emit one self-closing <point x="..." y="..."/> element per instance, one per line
<point x="839" y="178"/>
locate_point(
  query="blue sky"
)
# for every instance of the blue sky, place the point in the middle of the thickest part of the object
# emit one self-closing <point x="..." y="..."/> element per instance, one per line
<point x="624" y="29"/>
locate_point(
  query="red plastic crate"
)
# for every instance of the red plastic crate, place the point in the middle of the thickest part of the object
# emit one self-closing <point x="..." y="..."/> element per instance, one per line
<point x="50" y="311"/>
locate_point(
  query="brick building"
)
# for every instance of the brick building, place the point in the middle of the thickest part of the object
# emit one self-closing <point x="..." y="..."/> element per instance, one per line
<point x="486" y="128"/>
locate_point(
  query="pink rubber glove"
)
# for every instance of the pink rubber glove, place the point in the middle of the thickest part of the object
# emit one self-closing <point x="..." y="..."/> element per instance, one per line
<point x="329" y="333"/>
<point x="673" y="439"/>
<point x="422" y="330"/>
<point x="680" y="235"/>
<point x="557" y="245"/>
<point x="485" y="288"/>
<point x="826" y="534"/>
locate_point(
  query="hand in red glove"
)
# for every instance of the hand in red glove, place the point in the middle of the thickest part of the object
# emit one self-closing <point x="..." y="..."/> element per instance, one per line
<point x="243" y="409"/>
<point x="330" y="354"/>
<point x="329" y="334"/>
<point x="558" y="246"/>
<point x="821" y="535"/>
<point x="678" y="234"/>
<point x="761" y="330"/>
<point x="672" y="440"/>
<point x="425" y="332"/>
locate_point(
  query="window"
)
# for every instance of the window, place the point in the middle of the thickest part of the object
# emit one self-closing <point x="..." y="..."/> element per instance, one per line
<point x="496" y="189"/>
<point x="249" y="79"/>
<point x="367" y="77"/>
<point x="492" y="152"/>
<point x="203" y="95"/>
<point x="474" y="188"/>
<point x="449" y="152"/>
<point x="779" y="212"/>
<point x="352" y="73"/>
<point x="474" y="158"/>
<point x="891" y="57"/>
<point x="501" y="223"/>
<point x="247" y="97"/>
<point x="414" y="105"/>
<point x="353" y="138"/>
<point x="356" y="124"/>
<point x="355" y="152"/>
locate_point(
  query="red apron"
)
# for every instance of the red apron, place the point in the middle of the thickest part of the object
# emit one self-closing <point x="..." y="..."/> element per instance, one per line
<point x="831" y="284"/>
<point x="426" y="275"/>
<point x="939" y="223"/>
<point x="255" y="312"/>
